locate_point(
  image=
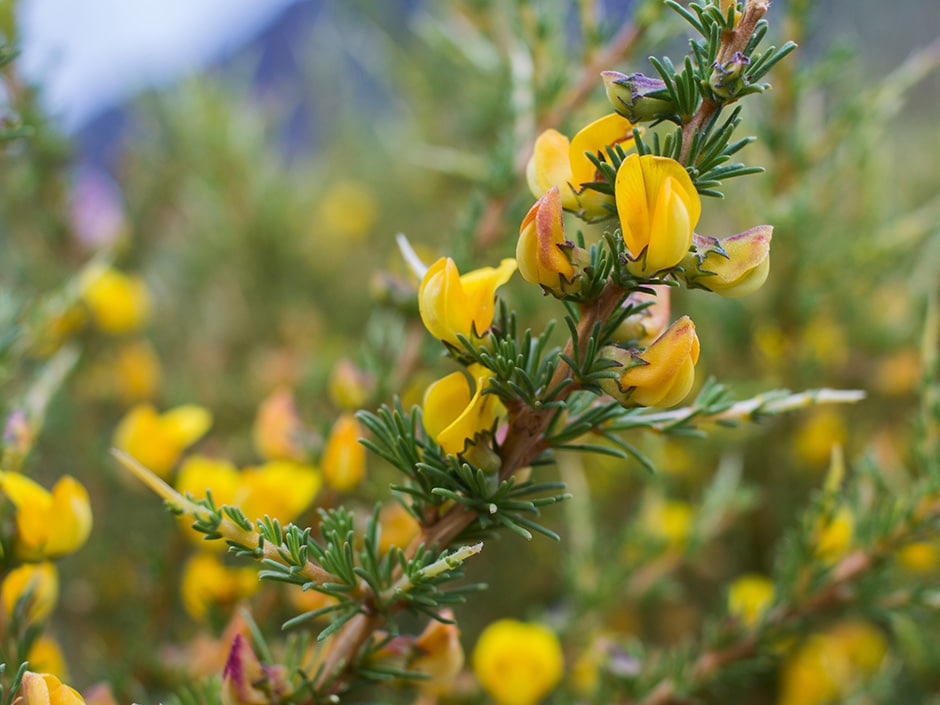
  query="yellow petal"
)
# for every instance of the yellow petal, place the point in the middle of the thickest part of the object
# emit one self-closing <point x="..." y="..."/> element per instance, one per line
<point x="344" y="457"/>
<point x="70" y="519"/>
<point x="549" y="165"/>
<point x="41" y="580"/>
<point x="595" y="138"/>
<point x="279" y="488"/>
<point x="33" y="507"/>
<point x="670" y="229"/>
<point x="480" y="287"/>
<point x="632" y="204"/>
<point x="442" y="302"/>
<point x="187" y="424"/>
<point x="443" y="402"/>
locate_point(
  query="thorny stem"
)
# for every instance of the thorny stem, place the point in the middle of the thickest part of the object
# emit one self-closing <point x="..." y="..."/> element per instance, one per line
<point x="732" y="42"/>
<point x="835" y="592"/>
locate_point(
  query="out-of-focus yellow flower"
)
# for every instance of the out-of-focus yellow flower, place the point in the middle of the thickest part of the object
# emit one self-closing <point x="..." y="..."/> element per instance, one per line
<point x="136" y="371"/>
<point x="279" y="488"/>
<point x="119" y="303"/>
<point x="246" y="681"/>
<point x="822" y="430"/>
<point x="40" y="581"/>
<point x="349" y="387"/>
<point x="46" y="689"/>
<point x="669" y="521"/>
<point x="919" y="557"/>
<point x="661" y="375"/>
<point x="899" y="372"/>
<point x="157" y="440"/>
<point x="48" y="524"/>
<point x="398" y="526"/>
<point x="826" y="666"/>
<point x="197" y="474"/>
<point x="834" y="537"/>
<point x="308" y="600"/>
<point x="542" y="252"/>
<point x="517" y="663"/>
<point x="452" y="304"/>
<point x="456" y="409"/>
<point x="733" y="267"/>
<point x="556" y="162"/>
<point x="277" y="431"/>
<point x="348" y="208"/>
<point x="749" y="598"/>
<point x="659" y="209"/>
<point x="439" y="654"/>
<point x="45" y="656"/>
<point x="207" y="583"/>
<point x="344" y="457"/>
<point x="824" y="341"/>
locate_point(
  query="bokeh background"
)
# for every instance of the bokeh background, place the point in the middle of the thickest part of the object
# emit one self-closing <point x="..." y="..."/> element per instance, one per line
<point x="253" y="165"/>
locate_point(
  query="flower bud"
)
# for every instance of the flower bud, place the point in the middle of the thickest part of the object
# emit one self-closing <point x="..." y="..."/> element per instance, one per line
<point x="661" y="375"/>
<point x="733" y="267"/>
<point x="278" y="432"/>
<point x="658" y="207"/>
<point x="439" y="654"/>
<point x="246" y="681"/>
<point x="637" y="97"/>
<point x="728" y="79"/>
<point x="543" y="254"/>
<point x="38" y="583"/>
<point x="344" y="457"/>
<point x="46" y="689"/>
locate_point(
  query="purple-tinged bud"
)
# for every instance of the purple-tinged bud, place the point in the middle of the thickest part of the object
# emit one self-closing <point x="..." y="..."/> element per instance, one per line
<point x="728" y="79"/>
<point x="637" y="97"/>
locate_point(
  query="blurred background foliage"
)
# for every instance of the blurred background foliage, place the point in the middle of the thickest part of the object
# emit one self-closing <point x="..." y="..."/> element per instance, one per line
<point x="260" y="210"/>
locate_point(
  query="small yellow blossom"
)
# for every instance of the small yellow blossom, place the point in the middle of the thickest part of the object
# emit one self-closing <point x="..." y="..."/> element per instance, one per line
<point x="542" y="252"/>
<point x="40" y="581"/>
<point x="398" y="527"/>
<point x="278" y="431"/>
<point x="819" y="432"/>
<point x="119" y="303"/>
<point x="348" y="208"/>
<point x="456" y="409"/>
<point x="659" y="209"/>
<point x="48" y="524"/>
<point x="136" y="371"/>
<point x="452" y="304"/>
<point x="919" y="557"/>
<point x="45" y="655"/>
<point x="46" y="689"/>
<point x="517" y="663"/>
<point x="157" y="440"/>
<point x="669" y="521"/>
<point x="349" y="387"/>
<point x="208" y="584"/>
<point x="556" y="162"/>
<point x="344" y="457"/>
<point x="749" y="598"/>
<point x="663" y="374"/>
<point x="834" y="537"/>
<point x="278" y="488"/>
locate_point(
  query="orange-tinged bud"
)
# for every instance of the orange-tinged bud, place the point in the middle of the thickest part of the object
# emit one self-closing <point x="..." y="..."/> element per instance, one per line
<point x="278" y="431"/>
<point x="344" y="457"/>
<point x="659" y="209"/>
<point x="733" y="267"/>
<point x="557" y="162"/>
<point x="542" y="252"/>
<point x="46" y="689"/>
<point x="38" y="583"/>
<point x="661" y="375"/>
<point x="452" y="304"/>
<point x="456" y="409"/>
<point x="439" y="653"/>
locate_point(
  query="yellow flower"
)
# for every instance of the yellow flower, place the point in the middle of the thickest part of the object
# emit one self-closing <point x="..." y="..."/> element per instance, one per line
<point x="452" y="304"/>
<point x="40" y="581"/>
<point x="208" y="584"/>
<point x="749" y="598"/>
<point x="136" y="371"/>
<point x="48" y="524"/>
<point x="277" y="431"/>
<point x="542" y="252"/>
<point x="456" y="409"/>
<point x="919" y="557"/>
<point x="119" y="303"/>
<point x="349" y="209"/>
<point x="45" y="655"/>
<point x="197" y="474"/>
<point x="733" y="267"/>
<point x="834" y="537"/>
<point x="556" y="162"/>
<point x="661" y="375"/>
<point x="344" y="457"/>
<point x="517" y="663"/>
<point x="46" y="689"/>
<point x="658" y="208"/>
<point x="818" y="433"/>
<point x="670" y="521"/>
<point x="157" y="440"/>
<point x="279" y="488"/>
<point x="439" y="653"/>
<point x="398" y="527"/>
<point x="349" y="387"/>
